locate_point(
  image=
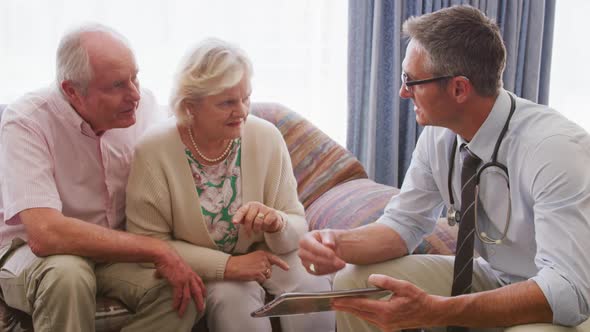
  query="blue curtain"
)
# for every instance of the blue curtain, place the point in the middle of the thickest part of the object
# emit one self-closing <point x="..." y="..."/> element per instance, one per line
<point x="382" y="130"/>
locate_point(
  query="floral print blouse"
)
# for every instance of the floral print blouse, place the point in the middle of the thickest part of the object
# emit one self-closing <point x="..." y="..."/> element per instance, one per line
<point x="220" y="193"/>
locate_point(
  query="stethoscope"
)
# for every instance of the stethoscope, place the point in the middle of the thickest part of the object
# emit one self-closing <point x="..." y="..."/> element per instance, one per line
<point x="454" y="216"/>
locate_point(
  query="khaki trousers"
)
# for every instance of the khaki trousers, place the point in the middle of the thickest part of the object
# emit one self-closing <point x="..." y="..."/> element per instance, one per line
<point x="59" y="292"/>
<point x="433" y="274"/>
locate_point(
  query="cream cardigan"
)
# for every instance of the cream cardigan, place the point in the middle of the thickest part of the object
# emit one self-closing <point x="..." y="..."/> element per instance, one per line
<point x="162" y="200"/>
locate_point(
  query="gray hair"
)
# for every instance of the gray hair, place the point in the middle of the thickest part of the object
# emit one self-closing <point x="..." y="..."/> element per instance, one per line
<point x="72" y="59"/>
<point x="461" y="40"/>
<point x="209" y="68"/>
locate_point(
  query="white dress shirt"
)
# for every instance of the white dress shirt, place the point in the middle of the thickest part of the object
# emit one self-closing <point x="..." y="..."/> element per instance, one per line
<point x="547" y="241"/>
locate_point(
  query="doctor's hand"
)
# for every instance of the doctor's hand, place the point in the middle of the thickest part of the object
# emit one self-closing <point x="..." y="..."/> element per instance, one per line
<point x="257" y="217"/>
<point x="409" y="306"/>
<point x="319" y="253"/>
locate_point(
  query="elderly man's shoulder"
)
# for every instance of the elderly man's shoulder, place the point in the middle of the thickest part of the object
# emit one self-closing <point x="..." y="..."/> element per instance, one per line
<point x="32" y="104"/>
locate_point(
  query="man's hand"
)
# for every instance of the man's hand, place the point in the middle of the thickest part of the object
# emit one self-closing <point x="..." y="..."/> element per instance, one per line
<point x="257" y="217"/>
<point x="409" y="306"/>
<point x="320" y="249"/>
<point x="256" y="265"/>
<point x="186" y="284"/>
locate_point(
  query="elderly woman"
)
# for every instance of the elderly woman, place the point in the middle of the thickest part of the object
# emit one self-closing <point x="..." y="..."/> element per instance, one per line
<point x="218" y="184"/>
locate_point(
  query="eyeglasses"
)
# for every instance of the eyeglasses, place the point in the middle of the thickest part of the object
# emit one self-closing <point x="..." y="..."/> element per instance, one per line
<point x="409" y="84"/>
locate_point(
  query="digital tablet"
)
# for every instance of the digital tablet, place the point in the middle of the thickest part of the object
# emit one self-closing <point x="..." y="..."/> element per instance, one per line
<point x="301" y="303"/>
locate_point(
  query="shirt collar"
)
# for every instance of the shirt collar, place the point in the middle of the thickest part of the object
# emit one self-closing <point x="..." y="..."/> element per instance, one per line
<point x="486" y="136"/>
<point x="69" y="114"/>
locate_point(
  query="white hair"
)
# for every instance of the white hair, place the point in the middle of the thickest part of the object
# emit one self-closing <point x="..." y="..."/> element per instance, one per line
<point x="209" y="68"/>
<point x="72" y="59"/>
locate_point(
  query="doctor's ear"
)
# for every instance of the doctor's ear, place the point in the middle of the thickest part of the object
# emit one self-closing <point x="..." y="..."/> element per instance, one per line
<point x="461" y="88"/>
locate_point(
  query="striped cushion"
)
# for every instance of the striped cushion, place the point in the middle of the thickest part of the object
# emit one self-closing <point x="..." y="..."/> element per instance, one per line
<point x="442" y="241"/>
<point x="360" y="202"/>
<point x="319" y="163"/>
<point x="351" y="204"/>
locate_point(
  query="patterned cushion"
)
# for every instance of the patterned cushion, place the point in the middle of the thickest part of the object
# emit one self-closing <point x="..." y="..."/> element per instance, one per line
<point x="360" y="202"/>
<point x="111" y="316"/>
<point x="319" y="163"/>
<point x="351" y="204"/>
<point x="442" y="241"/>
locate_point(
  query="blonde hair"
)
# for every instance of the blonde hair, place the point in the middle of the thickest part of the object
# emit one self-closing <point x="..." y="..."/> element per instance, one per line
<point x="209" y="68"/>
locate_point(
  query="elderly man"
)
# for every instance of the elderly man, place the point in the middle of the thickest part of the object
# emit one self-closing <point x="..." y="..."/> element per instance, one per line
<point x="64" y="155"/>
<point x="516" y="172"/>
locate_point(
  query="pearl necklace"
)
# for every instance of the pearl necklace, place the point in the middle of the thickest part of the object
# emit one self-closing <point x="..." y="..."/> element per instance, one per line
<point x="210" y="160"/>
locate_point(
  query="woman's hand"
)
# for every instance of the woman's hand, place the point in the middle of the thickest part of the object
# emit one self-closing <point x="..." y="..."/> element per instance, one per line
<point x="256" y="265"/>
<point x="256" y="217"/>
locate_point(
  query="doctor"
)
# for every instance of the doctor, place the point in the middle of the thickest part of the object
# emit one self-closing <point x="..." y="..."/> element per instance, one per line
<point x="514" y="171"/>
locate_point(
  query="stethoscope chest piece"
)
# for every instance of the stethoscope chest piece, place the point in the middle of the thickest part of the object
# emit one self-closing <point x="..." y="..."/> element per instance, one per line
<point x="453" y="216"/>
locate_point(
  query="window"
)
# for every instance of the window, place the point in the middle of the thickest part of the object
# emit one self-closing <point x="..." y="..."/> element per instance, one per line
<point x="298" y="48"/>
<point x="570" y="72"/>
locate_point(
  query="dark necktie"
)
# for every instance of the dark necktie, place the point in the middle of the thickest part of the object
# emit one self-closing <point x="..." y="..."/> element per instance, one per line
<point x="463" y="269"/>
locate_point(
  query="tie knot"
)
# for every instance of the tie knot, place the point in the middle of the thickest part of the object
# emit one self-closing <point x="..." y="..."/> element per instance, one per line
<point x="469" y="159"/>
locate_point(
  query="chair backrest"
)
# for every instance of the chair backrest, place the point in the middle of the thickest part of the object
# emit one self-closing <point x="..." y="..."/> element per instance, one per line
<point x="319" y="163"/>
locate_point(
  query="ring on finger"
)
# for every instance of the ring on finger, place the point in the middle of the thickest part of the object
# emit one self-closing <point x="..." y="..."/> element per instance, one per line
<point x="260" y="215"/>
<point x="312" y="267"/>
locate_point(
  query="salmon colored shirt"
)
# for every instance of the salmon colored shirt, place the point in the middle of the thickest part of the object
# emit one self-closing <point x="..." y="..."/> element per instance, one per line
<point x="50" y="157"/>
